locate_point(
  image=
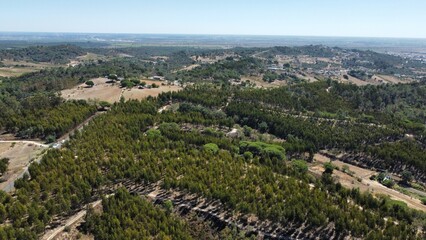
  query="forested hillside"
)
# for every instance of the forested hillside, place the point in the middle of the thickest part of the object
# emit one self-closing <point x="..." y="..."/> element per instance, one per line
<point x="60" y="54"/>
<point x="119" y="145"/>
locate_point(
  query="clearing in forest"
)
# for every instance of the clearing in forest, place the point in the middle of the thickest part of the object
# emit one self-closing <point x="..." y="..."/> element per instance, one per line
<point x="103" y="90"/>
<point x="20" y="155"/>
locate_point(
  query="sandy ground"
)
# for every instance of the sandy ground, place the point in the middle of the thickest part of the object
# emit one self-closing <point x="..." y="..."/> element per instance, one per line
<point x="365" y="184"/>
<point x="103" y="91"/>
<point x="20" y="155"/>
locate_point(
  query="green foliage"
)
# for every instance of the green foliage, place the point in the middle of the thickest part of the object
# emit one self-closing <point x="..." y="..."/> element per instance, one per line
<point x="300" y="166"/>
<point x="407" y="176"/>
<point x="263" y="149"/>
<point x="153" y="133"/>
<point x="248" y="155"/>
<point x="168" y="206"/>
<point x="114" y="146"/>
<point x="125" y="216"/>
<point x="393" y="154"/>
<point x="328" y="168"/>
<point x="127" y="83"/>
<point x="104" y="104"/>
<point x="211" y="147"/>
<point x="123" y="144"/>
<point x="49" y="122"/>
<point x="4" y="163"/>
<point x="222" y="71"/>
<point x="59" y="54"/>
<point x="388" y="183"/>
<point x="50" y="138"/>
<point x="90" y="83"/>
<point x="358" y="74"/>
<point x="263" y="127"/>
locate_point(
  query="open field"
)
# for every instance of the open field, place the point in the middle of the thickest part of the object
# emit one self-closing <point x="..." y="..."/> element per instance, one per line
<point x="354" y="80"/>
<point x="188" y="68"/>
<point x="102" y="91"/>
<point x="392" y="79"/>
<point x="361" y="179"/>
<point x="262" y="84"/>
<point x="89" y="57"/>
<point x="20" y="154"/>
<point x="18" y="68"/>
<point x="111" y="93"/>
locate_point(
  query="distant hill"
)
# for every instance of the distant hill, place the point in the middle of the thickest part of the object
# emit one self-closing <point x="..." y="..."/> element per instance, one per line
<point x="59" y="54"/>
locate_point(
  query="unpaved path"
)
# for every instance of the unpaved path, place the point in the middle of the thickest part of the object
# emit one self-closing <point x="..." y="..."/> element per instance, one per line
<point x="70" y="221"/>
<point x="365" y="184"/>
<point x="67" y="135"/>
<point x="25" y="141"/>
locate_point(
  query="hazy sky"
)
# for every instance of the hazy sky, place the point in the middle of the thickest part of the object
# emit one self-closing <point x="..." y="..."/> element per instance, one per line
<point x="372" y="18"/>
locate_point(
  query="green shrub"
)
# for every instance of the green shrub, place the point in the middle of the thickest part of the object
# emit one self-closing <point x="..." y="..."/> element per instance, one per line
<point x="263" y="149"/>
<point x="300" y="166"/>
<point x="211" y="147"/>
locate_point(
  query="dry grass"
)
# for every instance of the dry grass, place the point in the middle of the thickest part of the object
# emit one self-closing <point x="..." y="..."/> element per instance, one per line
<point x="355" y="81"/>
<point x="262" y="84"/>
<point x="392" y="79"/>
<point x="18" y="68"/>
<point x="103" y="91"/>
<point x="20" y="155"/>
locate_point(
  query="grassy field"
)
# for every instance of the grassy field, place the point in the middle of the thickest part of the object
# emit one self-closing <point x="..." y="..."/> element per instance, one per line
<point x="18" y="68"/>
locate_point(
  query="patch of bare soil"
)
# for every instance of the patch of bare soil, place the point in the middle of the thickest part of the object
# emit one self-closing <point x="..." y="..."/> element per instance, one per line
<point x="101" y="91"/>
<point x="139" y="94"/>
<point x="20" y="154"/>
<point x="111" y="92"/>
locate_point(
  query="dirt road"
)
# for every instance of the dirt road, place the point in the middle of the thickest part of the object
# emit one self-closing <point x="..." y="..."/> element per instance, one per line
<point x="70" y="221"/>
<point x="365" y="184"/>
<point x="24" y="141"/>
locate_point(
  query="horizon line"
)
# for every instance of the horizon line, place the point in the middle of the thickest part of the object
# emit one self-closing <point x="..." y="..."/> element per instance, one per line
<point x="216" y="34"/>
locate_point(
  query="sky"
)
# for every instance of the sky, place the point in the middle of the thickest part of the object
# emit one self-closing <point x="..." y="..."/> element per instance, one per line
<point x="352" y="18"/>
